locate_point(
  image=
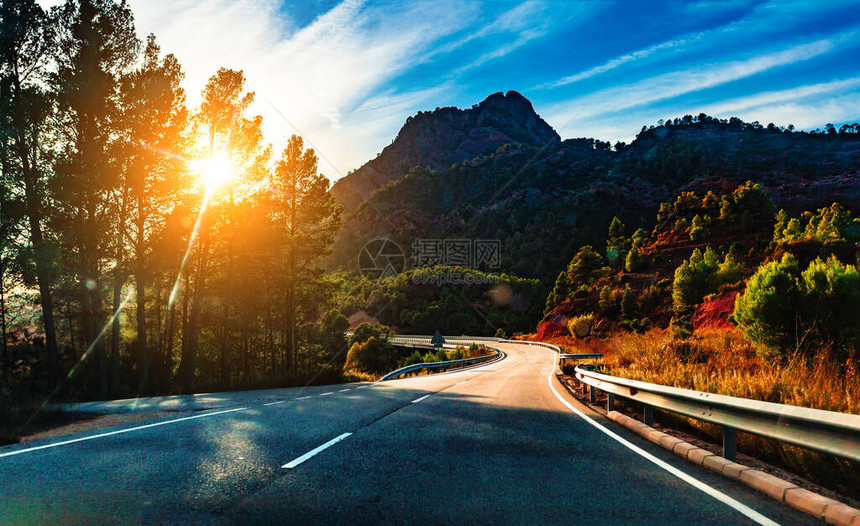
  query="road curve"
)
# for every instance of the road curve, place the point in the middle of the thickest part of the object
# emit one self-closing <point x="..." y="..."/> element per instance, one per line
<point x="500" y="443"/>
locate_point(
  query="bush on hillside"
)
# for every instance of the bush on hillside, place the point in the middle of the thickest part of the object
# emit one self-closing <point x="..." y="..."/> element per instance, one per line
<point x="784" y="311"/>
<point x="580" y="326"/>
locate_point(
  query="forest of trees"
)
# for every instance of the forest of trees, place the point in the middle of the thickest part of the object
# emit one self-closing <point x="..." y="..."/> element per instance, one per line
<point x="148" y="246"/>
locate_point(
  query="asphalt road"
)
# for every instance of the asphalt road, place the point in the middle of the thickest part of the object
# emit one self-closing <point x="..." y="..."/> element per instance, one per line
<point x="489" y="445"/>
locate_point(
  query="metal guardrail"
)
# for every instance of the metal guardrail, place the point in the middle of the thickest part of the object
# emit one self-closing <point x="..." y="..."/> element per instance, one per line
<point x="449" y="364"/>
<point x="825" y="431"/>
<point x="423" y="342"/>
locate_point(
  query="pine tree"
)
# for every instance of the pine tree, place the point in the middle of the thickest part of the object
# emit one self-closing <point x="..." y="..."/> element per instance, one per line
<point x="310" y="218"/>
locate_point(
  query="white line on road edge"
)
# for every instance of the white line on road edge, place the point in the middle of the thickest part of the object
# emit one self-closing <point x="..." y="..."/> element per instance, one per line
<point x="303" y="398"/>
<point x="328" y="393"/>
<point x="119" y="432"/>
<point x="315" y="451"/>
<point x="696" y="483"/>
<point x="419" y="399"/>
<point x="276" y="403"/>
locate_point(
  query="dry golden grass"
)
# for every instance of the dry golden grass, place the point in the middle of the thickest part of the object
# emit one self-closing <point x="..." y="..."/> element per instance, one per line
<point x="723" y="361"/>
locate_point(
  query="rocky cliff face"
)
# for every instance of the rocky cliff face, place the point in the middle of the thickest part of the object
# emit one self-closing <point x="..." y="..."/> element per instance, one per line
<point x="441" y="138"/>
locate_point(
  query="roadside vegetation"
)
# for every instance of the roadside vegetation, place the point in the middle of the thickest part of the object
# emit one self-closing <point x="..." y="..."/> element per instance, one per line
<point x="744" y="301"/>
<point x="371" y="355"/>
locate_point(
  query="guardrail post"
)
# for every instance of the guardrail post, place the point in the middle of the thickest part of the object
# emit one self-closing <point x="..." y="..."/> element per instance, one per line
<point x="648" y="415"/>
<point x="730" y="442"/>
<point x="592" y="395"/>
<point x="610" y="402"/>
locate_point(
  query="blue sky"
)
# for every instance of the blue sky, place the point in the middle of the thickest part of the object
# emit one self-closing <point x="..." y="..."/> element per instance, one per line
<point x="347" y="74"/>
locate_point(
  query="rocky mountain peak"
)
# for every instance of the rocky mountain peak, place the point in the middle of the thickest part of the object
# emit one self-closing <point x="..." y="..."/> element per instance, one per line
<point x="437" y="139"/>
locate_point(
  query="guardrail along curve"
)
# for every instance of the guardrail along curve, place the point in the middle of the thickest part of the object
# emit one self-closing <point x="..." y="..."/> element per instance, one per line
<point x="828" y="432"/>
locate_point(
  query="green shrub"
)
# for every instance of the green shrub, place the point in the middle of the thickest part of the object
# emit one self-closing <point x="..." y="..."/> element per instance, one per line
<point x="828" y="225"/>
<point x="560" y="292"/>
<point x="784" y="311"/>
<point x="608" y="302"/>
<point x="372" y="356"/>
<point x="458" y="353"/>
<point x="695" y="277"/>
<point x="697" y="228"/>
<point x="634" y="261"/>
<point x="580" y="326"/>
<point x="628" y="303"/>
<point x="412" y="359"/>
<point x="616" y="244"/>
<point x="365" y="331"/>
<point x="584" y="265"/>
<point x="830" y="305"/>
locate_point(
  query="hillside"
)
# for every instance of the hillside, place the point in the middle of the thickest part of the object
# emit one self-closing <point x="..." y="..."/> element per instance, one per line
<point x="437" y="139"/>
<point x="544" y="203"/>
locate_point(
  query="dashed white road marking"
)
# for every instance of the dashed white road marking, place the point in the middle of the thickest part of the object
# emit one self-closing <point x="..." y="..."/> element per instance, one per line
<point x="315" y="451"/>
<point x="344" y="390"/>
<point x="276" y="403"/>
<point x="119" y="432"/>
<point x="328" y="393"/>
<point x="419" y="399"/>
<point x="303" y="398"/>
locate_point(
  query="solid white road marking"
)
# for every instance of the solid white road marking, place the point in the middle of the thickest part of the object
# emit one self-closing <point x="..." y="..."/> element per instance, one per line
<point x="696" y="483"/>
<point x="303" y="398"/>
<point x="419" y="399"/>
<point x="119" y="432"/>
<point x="276" y="403"/>
<point x="314" y="451"/>
<point x="326" y="394"/>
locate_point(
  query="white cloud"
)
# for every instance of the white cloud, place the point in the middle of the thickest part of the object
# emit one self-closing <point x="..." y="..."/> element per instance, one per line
<point x="731" y="107"/>
<point x="763" y="19"/>
<point x="677" y="83"/>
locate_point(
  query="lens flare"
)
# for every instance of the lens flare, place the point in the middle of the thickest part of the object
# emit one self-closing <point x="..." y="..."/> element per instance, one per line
<point x="215" y="170"/>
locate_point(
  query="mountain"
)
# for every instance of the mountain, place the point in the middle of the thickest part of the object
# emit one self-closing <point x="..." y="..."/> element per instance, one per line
<point x="438" y="139"/>
<point x="543" y="199"/>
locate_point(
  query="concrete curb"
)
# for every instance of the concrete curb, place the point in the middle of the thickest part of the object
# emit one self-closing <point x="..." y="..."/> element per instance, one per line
<point x="832" y="511"/>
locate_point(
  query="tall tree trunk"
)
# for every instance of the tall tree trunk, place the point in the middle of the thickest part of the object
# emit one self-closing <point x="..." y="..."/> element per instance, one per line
<point x="117" y="304"/>
<point x="292" y="274"/>
<point x="6" y="359"/>
<point x="225" y="345"/>
<point x="140" y="294"/>
<point x="34" y="217"/>
<point x="189" y="359"/>
<point x="118" y="281"/>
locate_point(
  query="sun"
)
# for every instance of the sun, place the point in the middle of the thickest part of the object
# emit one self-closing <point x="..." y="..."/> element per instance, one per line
<point x="214" y="170"/>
